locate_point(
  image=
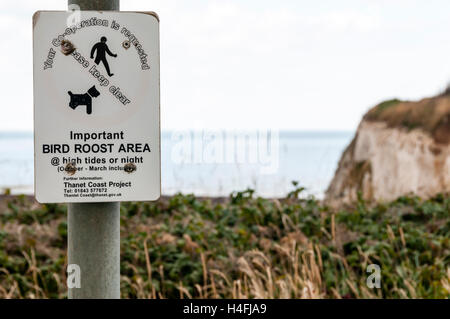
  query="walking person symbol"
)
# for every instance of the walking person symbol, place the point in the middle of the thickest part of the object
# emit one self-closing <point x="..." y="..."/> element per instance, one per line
<point x="102" y="48"/>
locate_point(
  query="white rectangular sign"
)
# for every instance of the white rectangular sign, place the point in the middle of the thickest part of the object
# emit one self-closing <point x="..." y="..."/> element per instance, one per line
<point x="96" y="106"/>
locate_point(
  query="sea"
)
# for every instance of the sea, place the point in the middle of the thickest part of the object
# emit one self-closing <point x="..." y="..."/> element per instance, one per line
<point x="213" y="163"/>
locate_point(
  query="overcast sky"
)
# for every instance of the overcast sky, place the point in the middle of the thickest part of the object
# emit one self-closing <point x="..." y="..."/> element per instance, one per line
<point x="248" y="64"/>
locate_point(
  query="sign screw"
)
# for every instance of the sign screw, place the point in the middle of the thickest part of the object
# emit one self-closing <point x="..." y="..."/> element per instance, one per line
<point x="129" y="168"/>
<point x="70" y="168"/>
<point x="126" y="44"/>
<point x="67" y="47"/>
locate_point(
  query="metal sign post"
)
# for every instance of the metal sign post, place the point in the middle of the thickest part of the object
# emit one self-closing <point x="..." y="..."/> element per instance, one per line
<point x="94" y="228"/>
<point x="96" y="129"/>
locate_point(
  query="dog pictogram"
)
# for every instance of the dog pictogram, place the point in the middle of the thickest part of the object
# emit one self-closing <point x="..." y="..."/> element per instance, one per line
<point x="83" y="99"/>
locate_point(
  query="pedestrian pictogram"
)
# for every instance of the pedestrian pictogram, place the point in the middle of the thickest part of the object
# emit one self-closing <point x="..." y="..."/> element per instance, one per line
<point x="101" y="48"/>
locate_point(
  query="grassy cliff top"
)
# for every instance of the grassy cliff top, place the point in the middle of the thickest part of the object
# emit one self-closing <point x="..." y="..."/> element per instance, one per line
<point x="431" y="115"/>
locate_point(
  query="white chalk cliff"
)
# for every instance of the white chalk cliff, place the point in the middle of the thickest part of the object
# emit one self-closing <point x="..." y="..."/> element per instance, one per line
<point x="399" y="148"/>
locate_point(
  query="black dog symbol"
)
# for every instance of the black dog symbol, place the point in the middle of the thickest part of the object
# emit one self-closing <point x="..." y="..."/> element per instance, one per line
<point x="83" y="99"/>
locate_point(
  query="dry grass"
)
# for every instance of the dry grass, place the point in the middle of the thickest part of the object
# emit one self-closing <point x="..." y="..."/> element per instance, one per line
<point x="431" y="115"/>
<point x="244" y="247"/>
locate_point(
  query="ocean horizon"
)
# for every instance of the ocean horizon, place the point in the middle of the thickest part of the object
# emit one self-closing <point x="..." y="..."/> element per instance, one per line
<point x="213" y="162"/>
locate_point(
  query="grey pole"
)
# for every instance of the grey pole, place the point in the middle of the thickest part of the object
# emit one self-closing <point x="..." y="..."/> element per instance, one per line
<point x="100" y="5"/>
<point x="94" y="228"/>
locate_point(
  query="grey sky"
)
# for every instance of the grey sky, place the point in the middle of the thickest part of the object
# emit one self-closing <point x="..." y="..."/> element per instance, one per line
<point x="264" y="64"/>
